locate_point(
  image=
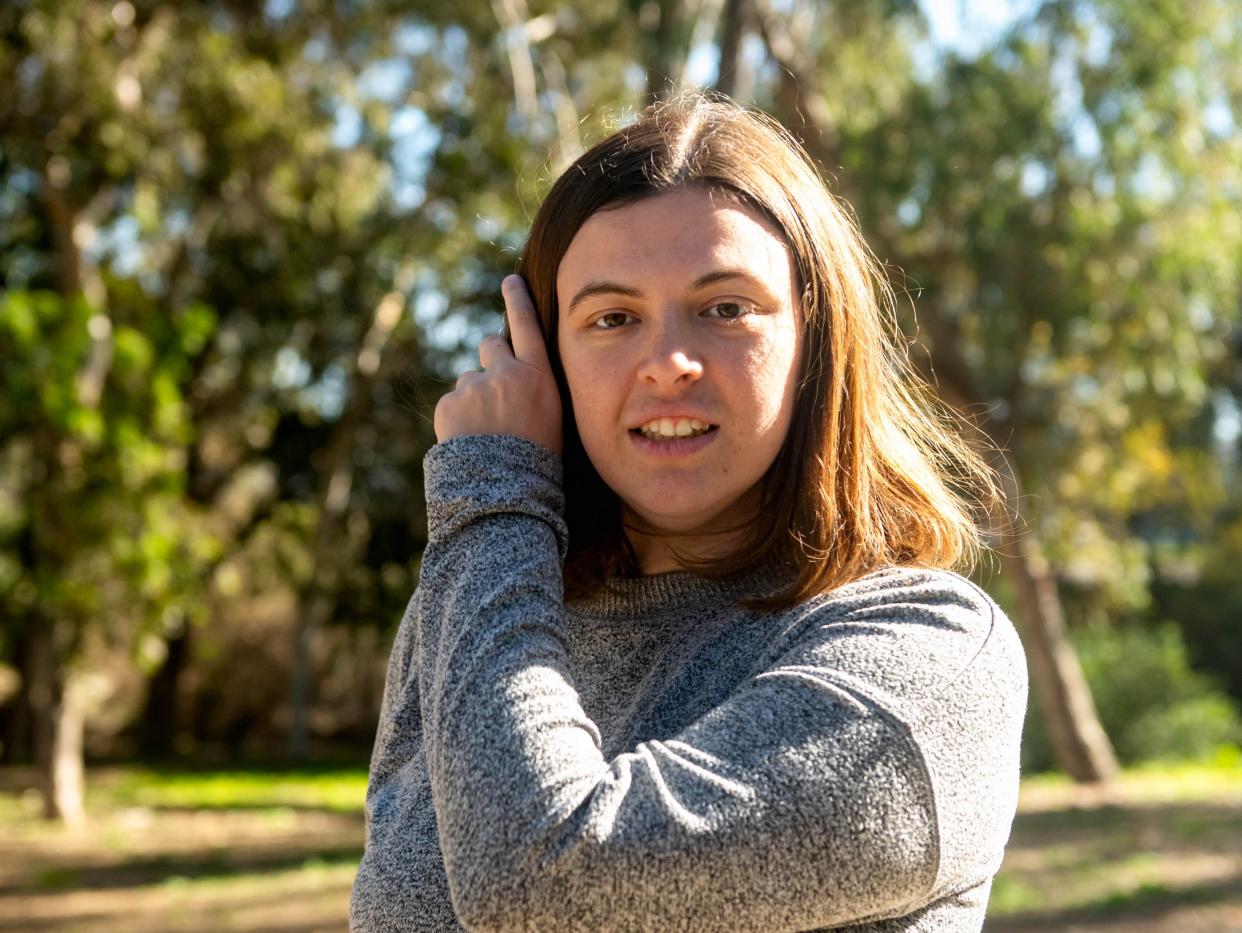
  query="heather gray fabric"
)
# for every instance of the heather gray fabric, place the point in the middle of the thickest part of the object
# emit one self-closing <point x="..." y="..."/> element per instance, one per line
<point x="656" y="758"/>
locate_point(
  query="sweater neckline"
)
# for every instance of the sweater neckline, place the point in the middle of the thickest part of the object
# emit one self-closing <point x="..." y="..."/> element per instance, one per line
<point x="656" y="595"/>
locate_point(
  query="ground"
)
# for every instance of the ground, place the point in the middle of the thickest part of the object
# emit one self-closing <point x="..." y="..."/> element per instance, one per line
<point x="1159" y="851"/>
<point x="268" y="851"/>
<point x="254" y="851"/>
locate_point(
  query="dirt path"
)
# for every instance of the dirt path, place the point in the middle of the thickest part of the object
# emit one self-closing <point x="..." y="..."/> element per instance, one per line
<point x="165" y="869"/>
<point x="1137" y="858"/>
<point x="1078" y="862"/>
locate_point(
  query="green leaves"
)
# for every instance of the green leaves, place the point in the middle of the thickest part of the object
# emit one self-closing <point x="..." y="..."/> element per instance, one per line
<point x="239" y="192"/>
<point x="44" y="340"/>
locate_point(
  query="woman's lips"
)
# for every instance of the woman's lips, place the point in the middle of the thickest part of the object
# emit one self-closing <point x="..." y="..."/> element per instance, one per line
<point x="674" y="446"/>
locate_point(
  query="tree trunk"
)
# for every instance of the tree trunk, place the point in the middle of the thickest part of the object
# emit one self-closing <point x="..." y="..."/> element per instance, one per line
<point x="59" y="719"/>
<point x="58" y="703"/>
<point x="732" y="31"/>
<point x="1078" y="740"/>
<point x="316" y="602"/>
<point x="314" y="612"/>
<point x="663" y="49"/>
<point x="68" y="765"/>
<point x="158" y="726"/>
<point x="18" y="724"/>
<point x="1081" y="746"/>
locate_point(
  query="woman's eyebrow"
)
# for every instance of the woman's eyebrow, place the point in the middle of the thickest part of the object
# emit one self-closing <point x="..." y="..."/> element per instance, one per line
<point x="720" y="275"/>
<point x="614" y="288"/>
<point x="754" y="285"/>
<point x="601" y="288"/>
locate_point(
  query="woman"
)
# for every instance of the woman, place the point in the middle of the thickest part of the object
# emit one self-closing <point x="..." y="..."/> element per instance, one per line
<point x="683" y="655"/>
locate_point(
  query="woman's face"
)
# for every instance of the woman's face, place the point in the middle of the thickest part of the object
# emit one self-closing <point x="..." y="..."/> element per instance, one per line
<point x="680" y="337"/>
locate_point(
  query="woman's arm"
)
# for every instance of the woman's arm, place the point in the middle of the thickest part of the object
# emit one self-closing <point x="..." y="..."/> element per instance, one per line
<point x="817" y="794"/>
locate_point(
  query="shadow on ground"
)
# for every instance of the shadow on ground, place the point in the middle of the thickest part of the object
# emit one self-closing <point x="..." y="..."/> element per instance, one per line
<point x="1146" y="867"/>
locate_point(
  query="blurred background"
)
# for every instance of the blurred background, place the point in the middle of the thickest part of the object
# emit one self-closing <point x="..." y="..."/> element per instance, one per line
<point x="244" y="246"/>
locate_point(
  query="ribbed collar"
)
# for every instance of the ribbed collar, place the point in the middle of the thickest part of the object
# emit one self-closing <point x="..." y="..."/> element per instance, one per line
<point x="661" y="594"/>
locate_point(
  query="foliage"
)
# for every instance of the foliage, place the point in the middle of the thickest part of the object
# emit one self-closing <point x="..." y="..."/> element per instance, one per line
<point x="204" y="209"/>
<point x="192" y="259"/>
<point x="107" y="515"/>
<point x="1152" y="703"/>
<point x="1208" y="603"/>
<point x="1065" y="204"/>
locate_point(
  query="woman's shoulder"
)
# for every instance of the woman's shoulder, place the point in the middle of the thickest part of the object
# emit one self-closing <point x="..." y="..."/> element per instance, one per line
<point x="907" y="590"/>
<point x="921" y="617"/>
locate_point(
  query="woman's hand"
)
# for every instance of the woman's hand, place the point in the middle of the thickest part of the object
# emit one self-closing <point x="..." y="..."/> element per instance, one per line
<point x="517" y="393"/>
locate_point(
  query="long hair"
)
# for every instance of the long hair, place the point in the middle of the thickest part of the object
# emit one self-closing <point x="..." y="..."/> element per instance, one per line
<point x="873" y="471"/>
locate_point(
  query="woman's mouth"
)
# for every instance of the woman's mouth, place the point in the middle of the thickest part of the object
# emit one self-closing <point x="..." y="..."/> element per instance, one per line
<point x="664" y="429"/>
<point x="666" y="437"/>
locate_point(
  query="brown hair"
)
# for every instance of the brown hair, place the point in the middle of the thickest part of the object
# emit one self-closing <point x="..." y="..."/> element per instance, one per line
<point x="872" y="472"/>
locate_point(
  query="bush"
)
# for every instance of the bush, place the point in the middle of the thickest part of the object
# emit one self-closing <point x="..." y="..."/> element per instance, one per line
<point x="1207" y="611"/>
<point x="1152" y="703"/>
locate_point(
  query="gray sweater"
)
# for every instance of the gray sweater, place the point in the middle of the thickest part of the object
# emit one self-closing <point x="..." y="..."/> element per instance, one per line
<point x="656" y="758"/>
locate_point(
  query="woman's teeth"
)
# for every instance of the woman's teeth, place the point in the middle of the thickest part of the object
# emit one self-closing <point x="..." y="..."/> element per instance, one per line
<point x="663" y="429"/>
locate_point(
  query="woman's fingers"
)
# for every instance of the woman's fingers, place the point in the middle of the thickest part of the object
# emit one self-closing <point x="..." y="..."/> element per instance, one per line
<point x="494" y="349"/>
<point x="524" y="330"/>
<point x="507" y="398"/>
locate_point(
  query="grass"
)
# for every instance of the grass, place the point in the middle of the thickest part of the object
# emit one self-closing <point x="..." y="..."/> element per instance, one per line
<point x="1221" y="776"/>
<point x="186" y="850"/>
<point x="1161" y="849"/>
<point x="250" y="848"/>
<point x="337" y="790"/>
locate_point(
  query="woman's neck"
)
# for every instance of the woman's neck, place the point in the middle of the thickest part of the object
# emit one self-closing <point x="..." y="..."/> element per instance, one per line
<point x="661" y="551"/>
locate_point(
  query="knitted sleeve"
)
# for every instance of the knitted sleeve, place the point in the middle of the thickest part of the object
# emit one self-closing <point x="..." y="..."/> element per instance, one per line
<point x="821" y="792"/>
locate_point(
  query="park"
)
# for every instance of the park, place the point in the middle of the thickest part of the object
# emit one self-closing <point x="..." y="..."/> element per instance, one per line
<point x="247" y="247"/>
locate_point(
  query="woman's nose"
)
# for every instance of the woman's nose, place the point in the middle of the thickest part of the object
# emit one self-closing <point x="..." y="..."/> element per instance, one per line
<point x="670" y="358"/>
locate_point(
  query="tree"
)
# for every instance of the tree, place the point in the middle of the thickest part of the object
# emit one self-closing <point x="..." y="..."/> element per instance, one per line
<point x="243" y="248"/>
<point x="1051" y="199"/>
<point x="159" y="164"/>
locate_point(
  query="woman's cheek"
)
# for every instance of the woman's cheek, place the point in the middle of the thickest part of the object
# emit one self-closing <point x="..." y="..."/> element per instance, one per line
<point x="589" y="391"/>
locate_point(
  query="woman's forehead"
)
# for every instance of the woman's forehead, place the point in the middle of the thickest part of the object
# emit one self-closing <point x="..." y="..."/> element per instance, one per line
<point x="678" y="236"/>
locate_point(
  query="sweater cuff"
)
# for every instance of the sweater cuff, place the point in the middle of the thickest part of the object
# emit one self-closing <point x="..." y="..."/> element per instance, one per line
<point x="476" y="475"/>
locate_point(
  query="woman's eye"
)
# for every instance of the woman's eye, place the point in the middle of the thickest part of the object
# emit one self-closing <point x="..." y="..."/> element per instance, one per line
<point x="729" y="310"/>
<point x="610" y="321"/>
